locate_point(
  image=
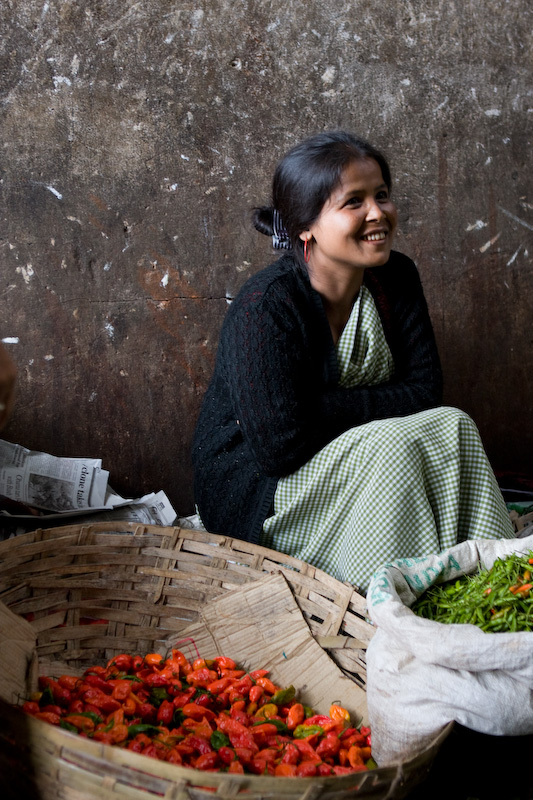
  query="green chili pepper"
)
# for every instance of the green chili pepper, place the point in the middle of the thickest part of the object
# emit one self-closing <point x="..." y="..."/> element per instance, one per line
<point x="157" y="695"/>
<point x="47" y="698"/>
<point x="67" y="726"/>
<point x="484" y="599"/>
<point x="303" y="731"/>
<point x="283" y="696"/>
<point x="149" y="730"/>
<point x="218" y="740"/>
<point x="280" y="725"/>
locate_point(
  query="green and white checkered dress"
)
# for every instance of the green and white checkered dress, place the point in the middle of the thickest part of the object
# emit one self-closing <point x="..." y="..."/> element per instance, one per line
<point x="398" y="487"/>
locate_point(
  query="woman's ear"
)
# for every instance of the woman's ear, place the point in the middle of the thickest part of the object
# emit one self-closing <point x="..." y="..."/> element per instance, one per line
<point x="305" y="236"/>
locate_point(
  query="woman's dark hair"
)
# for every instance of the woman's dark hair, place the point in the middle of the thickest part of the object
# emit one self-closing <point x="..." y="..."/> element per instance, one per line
<point x="304" y="180"/>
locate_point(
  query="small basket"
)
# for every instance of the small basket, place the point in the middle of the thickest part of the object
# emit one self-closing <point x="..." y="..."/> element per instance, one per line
<point x="142" y="583"/>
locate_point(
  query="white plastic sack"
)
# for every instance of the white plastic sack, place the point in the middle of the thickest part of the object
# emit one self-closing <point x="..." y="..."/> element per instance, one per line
<point x="423" y="674"/>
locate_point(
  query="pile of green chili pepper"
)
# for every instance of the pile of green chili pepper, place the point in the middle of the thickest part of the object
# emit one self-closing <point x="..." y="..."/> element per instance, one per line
<point x="497" y="600"/>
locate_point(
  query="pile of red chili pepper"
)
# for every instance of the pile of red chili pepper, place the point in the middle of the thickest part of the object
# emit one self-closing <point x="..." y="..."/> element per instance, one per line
<point x="208" y="714"/>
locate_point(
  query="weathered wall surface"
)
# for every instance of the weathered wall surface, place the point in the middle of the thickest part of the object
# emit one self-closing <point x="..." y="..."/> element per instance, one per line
<point x="137" y="136"/>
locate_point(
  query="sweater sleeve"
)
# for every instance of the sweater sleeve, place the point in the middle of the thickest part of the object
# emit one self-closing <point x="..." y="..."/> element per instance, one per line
<point x="287" y="404"/>
<point x="269" y="370"/>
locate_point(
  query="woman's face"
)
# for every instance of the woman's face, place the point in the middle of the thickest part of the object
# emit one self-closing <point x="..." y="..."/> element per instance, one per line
<point x="356" y="225"/>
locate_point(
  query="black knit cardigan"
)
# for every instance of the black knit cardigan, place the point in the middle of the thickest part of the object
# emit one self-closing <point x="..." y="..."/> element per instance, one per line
<point x="274" y="399"/>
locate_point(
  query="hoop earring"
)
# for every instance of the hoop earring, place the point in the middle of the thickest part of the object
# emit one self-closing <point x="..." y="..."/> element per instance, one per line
<point x="307" y="254"/>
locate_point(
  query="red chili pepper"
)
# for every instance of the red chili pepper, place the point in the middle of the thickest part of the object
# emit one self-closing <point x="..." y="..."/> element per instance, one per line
<point x="69" y="682"/>
<point x="258" y="673"/>
<point x="524" y="589"/>
<point x="155" y="679"/>
<point x="203" y="700"/>
<point x="355" y="756"/>
<point x="174" y="757"/>
<point x="48" y="716"/>
<point x="102" y="701"/>
<point x="165" y="712"/>
<point x="199" y="744"/>
<point x="103" y="736"/>
<point x="255" y="693"/>
<point x="265" y="729"/>
<point x="353" y="738"/>
<point x="286" y="770"/>
<point x="30" y="707"/>
<point x="97" y="670"/>
<point x="119" y="733"/>
<point x="226" y="754"/>
<point x="306" y="749"/>
<point x="257" y="766"/>
<point x="223" y="662"/>
<point x="147" y="712"/>
<point x="121" y="689"/>
<point x="239" y="715"/>
<point x="267" y="685"/>
<point x="137" y="663"/>
<point x="99" y="683"/>
<point x="252" y="724"/>
<point x="184" y="698"/>
<point x="123" y="662"/>
<point x="201" y="677"/>
<point x="307" y="769"/>
<point x="153" y="660"/>
<point x="295" y="716"/>
<point x="52" y="709"/>
<point x="268" y="754"/>
<point x="241" y="687"/>
<point x="207" y="761"/>
<point x="82" y="723"/>
<point x="218" y="686"/>
<point x="291" y="754"/>
<point x="329" y="746"/>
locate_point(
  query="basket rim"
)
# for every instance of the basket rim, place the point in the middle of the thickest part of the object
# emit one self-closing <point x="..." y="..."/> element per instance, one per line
<point x="71" y="745"/>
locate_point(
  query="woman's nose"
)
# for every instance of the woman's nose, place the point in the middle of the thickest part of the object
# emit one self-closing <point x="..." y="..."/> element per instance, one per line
<point x="374" y="211"/>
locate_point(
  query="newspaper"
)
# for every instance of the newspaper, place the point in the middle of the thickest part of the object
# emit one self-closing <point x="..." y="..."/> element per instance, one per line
<point x="39" y="485"/>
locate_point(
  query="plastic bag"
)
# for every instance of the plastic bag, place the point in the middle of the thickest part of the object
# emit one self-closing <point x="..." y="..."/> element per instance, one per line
<point x="424" y="674"/>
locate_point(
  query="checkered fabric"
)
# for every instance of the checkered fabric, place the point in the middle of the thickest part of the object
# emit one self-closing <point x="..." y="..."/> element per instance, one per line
<point x="392" y="488"/>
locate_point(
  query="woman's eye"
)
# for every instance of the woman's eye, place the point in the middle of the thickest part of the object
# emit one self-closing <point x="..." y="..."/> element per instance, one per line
<point x="354" y="201"/>
<point x="382" y="196"/>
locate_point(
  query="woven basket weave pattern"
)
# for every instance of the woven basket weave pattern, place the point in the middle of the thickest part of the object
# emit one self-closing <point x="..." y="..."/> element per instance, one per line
<point x="145" y="584"/>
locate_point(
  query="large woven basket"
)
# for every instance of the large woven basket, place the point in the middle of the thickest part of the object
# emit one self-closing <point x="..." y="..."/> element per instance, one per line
<point x="146" y="582"/>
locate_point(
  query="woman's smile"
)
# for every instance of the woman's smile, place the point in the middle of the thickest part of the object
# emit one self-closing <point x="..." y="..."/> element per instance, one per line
<point x="378" y="236"/>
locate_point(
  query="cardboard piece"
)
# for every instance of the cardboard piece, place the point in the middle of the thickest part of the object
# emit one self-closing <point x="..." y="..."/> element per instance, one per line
<point x="261" y="627"/>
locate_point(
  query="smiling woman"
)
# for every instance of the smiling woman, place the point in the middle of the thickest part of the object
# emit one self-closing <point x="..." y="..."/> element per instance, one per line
<point x="321" y="434"/>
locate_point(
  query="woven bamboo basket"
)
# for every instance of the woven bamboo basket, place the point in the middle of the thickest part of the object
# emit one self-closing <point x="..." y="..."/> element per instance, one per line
<point x="145" y="583"/>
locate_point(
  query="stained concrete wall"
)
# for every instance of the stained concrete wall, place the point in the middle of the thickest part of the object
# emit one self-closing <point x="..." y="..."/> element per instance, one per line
<point x="138" y="135"/>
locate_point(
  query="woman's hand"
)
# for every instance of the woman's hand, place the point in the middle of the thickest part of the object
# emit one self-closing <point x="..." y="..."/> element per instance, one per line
<point x="8" y="376"/>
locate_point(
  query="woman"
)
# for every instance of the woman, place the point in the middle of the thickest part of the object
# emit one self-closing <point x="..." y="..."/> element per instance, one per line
<point x="321" y="434"/>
